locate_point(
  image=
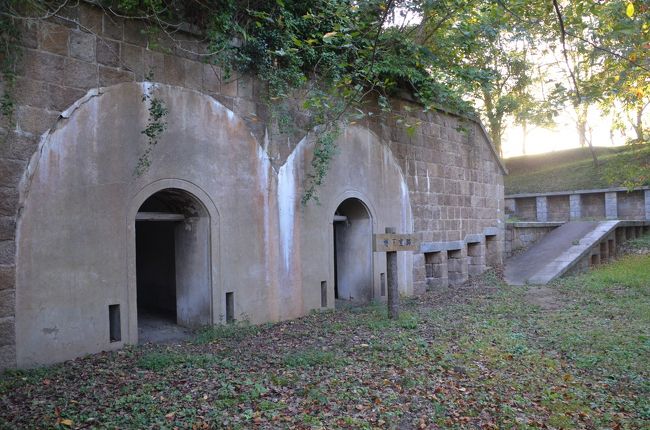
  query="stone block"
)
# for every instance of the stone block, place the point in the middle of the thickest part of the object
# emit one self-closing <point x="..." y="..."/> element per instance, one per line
<point x="113" y="27"/>
<point x="108" y="52"/>
<point x="7" y="303"/>
<point x="211" y="78"/>
<point x="10" y="172"/>
<point x="575" y="206"/>
<point x="174" y="73"/>
<point x="193" y="74"/>
<point x="110" y="76"/>
<point x="245" y="87"/>
<point x="7" y="357"/>
<point x="7" y="332"/>
<point x="45" y="95"/>
<point x="53" y="38"/>
<point x="82" y="45"/>
<point x="80" y="74"/>
<point x="154" y="65"/>
<point x="7" y="228"/>
<point x="7" y="252"/>
<point x="90" y="18"/>
<point x="134" y="32"/>
<point x="229" y="86"/>
<point x="133" y="60"/>
<point x="7" y="277"/>
<point x="35" y="120"/>
<point x="8" y="200"/>
<point x="42" y="66"/>
<point x="28" y="33"/>
<point x="188" y="49"/>
<point x="611" y="206"/>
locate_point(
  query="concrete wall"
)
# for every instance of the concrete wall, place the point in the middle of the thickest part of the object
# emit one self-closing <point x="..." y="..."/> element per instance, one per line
<point x="521" y="235"/>
<point x="69" y="195"/>
<point x="593" y="206"/>
<point x="610" y="203"/>
<point x="558" y="208"/>
<point x="526" y="209"/>
<point x="631" y="205"/>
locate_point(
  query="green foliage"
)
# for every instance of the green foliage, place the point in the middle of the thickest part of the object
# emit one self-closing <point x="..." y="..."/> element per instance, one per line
<point x="312" y="357"/>
<point x="10" y="54"/>
<point x="160" y="360"/>
<point x="493" y="355"/>
<point x="573" y="170"/>
<point x="631" y="169"/>
<point x="156" y="125"/>
<point x="235" y="331"/>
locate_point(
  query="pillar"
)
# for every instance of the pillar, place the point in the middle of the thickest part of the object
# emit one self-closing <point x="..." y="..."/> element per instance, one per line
<point x="575" y="207"/>
<point x="542" y="208"/>
<point x="611" y="206"/>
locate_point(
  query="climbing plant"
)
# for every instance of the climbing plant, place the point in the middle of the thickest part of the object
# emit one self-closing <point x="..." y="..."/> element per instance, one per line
<point x="337" y="55"/>
<point x="156" y="125"/>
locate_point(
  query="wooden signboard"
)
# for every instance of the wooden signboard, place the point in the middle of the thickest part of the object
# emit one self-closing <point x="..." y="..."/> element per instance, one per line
<point x="395" y="242"/>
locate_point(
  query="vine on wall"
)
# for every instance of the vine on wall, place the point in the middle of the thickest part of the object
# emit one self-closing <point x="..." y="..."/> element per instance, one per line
<point x="334" y="55"/>
<point x="156" y="125"/>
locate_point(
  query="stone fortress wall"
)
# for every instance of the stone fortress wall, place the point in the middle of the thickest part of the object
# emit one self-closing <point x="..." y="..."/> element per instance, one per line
<point x="69" y="199"/>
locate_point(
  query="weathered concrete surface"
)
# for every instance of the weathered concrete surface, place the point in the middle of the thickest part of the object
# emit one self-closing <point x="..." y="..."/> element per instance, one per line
<point x="228" y="154"/>
<point x="524" y="268"/>
<point x="78" y="218"/>
<point x="607" y="203"/>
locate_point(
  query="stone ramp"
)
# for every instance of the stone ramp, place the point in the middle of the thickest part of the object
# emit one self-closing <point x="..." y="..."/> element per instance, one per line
<point x="556" y="252"/>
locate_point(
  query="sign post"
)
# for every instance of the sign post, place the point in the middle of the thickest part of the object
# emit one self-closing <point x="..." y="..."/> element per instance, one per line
<point x="391" y="243"/>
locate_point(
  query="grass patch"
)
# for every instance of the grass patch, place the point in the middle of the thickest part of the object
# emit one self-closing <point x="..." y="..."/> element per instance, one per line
<point x="313" y="357"/>
<point x="639" y="243"/>
<point x="562" y="170"/>
<point x="234" y="331"/>
<point x="482" y="355"/>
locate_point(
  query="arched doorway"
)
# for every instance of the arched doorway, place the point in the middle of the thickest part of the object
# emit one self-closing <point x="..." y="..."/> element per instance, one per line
<point x="172" y="265"/>
<point x="353" y="280"/>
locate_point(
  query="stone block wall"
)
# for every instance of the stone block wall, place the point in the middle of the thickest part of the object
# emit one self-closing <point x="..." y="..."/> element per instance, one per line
<point x="520" y="236"/>
<point x="526" y="209"/>
<point x="631" y="205"/>
<point x="593" y="205"/>
<point x="455" y="181"/>
<point x="610" y="203"/>
<point x="558" y="208"/>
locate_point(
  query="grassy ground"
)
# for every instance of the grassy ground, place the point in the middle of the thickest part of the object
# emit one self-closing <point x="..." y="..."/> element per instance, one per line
<point x="564" y="170"/>
<point x="570" y="355"/>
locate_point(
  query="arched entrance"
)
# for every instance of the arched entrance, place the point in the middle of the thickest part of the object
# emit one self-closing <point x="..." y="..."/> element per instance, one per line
<point x="172" y="264"/>
<point x="353" y="280"/>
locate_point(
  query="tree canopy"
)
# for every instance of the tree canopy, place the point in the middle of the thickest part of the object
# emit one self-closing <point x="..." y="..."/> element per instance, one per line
<point x="507" y="61"/>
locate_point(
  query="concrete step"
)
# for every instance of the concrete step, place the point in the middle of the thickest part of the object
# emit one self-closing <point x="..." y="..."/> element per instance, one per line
<point x="560" y="251"/>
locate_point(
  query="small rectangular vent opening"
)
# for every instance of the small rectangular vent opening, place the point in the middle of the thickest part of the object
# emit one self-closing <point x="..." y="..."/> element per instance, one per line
<point x="323" y="294"/>
<point x="230" y="307"/>
<point x="114" y="323"/>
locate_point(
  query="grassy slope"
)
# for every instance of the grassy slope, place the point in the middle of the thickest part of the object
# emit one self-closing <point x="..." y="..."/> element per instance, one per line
<point x="478" y="356"/>
<point x="571" y="169"/>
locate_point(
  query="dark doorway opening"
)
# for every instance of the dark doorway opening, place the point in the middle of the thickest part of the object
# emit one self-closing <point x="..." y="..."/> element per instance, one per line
<point x="353" y="280"/>
<point x="172" y="266"/>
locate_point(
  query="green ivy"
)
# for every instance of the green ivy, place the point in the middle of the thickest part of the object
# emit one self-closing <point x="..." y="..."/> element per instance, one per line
<point x="10" y="53"/>
<point x="156" y="125"/>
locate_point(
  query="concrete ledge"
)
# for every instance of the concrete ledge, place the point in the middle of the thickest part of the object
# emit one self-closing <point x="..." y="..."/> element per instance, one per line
<point x="491" y="231"/>
<point x="441" y="246"/>
<point x="474" y="238"/>
<point x="566" y="193"/>
<point x="535" y="224"/>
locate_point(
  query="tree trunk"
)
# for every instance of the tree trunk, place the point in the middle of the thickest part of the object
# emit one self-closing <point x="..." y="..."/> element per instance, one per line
<point x="524" y="126"/>
<point x="638" y="127"/>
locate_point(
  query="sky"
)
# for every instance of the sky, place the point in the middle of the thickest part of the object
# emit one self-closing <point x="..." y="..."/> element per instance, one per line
<point x="562" y="136"/>
<point x="539" y="140"/>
